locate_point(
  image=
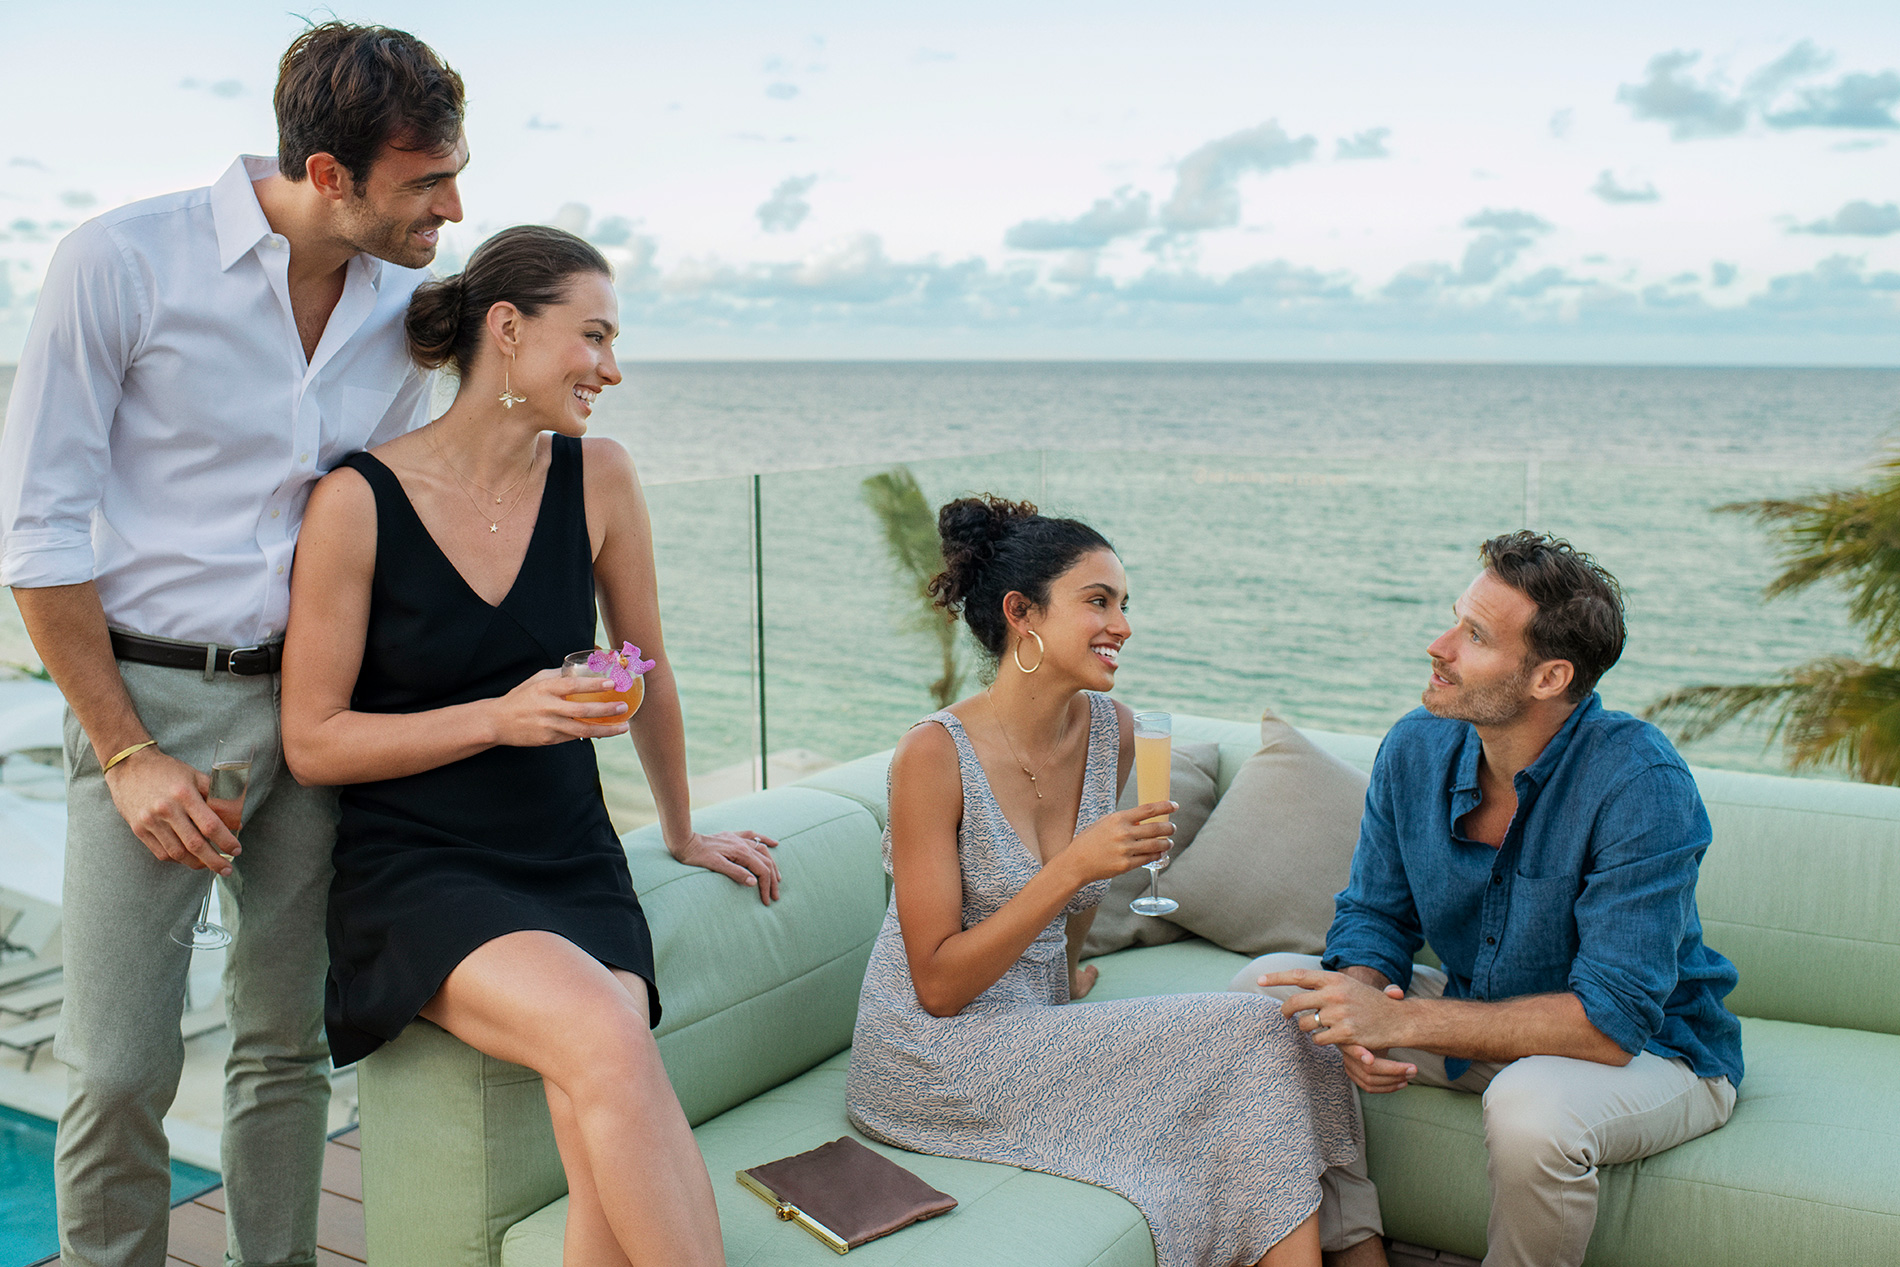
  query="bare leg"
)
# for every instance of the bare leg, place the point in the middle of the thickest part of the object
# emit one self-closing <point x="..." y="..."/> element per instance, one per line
<point x="1299" y="1248"/>
<point x="1367" y="1253"/>
<point x="589" y="1241"/>
<point x="535" y="999"/>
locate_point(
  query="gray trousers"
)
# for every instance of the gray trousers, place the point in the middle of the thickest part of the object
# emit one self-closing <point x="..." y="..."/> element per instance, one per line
<point x="125" y="992"/>
<point x="1549" y="1122"/>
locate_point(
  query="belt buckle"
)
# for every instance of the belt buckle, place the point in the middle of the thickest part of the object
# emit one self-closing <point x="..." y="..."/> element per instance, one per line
<point x="231" y="661"/>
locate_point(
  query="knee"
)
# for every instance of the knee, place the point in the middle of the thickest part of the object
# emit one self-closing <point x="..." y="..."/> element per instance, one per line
<point x="1529" y="1130"/>
<point x="1248" y="978"/>
<point x="613" y="1048"/>
<point x="124" y="1086"/>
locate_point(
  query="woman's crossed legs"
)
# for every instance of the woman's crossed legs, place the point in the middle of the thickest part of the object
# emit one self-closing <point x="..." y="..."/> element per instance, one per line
<point x="638" y="1191"/>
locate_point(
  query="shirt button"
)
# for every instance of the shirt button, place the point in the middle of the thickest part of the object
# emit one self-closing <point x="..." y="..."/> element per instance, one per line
<point x="303" y="457"/>
<point x="280" y="569"/>
<point x="1496" y="879"/>
<point x="275" y="513"/>
<point x="1489" y="941"/>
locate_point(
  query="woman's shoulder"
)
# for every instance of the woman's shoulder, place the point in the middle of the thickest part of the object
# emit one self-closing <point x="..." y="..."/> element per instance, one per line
<point x="606" y="460"/>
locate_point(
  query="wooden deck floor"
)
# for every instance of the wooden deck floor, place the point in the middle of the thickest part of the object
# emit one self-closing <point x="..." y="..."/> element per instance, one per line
<point x="197" y="1234"/>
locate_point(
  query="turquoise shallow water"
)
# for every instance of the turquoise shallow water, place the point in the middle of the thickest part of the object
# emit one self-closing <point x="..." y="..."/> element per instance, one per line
<point x="27" y="1230"/>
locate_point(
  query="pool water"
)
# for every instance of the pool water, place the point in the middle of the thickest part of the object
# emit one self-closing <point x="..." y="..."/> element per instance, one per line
<point x="28" y="1232"/>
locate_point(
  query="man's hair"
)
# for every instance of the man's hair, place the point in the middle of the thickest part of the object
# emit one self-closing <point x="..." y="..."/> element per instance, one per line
<point x="347" y="91"/>
<point x="1579" y="604"/>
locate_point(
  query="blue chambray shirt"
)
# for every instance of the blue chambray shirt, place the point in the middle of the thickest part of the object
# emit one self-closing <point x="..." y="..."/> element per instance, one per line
<point x="1592" y="891"/>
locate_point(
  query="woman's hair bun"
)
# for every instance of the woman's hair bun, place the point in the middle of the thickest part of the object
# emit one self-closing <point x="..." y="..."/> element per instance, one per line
<point x="434" y="322"/>
<point x="971" y="528"/>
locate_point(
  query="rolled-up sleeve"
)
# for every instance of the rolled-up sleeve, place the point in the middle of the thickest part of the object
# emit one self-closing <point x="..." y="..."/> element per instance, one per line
<point x="1375" y="921"/>
<point x="55" y="451"/>
<point x="1637" y="901"/>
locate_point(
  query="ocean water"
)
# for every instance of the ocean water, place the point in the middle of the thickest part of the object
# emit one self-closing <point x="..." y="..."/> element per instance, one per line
<point x="1294" y="534"/>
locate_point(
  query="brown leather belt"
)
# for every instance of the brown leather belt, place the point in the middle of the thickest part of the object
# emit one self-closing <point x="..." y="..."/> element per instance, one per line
<point x="208" y="658"/>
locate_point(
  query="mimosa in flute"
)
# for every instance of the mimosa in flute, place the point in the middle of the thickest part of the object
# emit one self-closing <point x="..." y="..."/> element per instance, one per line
<point x="1154" y="742"/>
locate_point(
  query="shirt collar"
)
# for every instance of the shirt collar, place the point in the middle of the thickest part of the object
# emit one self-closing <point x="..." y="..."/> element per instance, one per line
<point x="240" y="221"/>
<point x="1465" y="770"/>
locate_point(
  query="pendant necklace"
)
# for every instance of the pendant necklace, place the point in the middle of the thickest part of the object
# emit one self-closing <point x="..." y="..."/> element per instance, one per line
<point x="1056" y="747"/>
<point x="494" y="524"/>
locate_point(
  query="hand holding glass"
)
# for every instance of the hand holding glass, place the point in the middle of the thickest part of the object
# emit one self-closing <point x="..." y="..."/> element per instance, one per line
<point x="230" y="781"/>
<point x="1154" y="742"/>
<point x="576" y="666"/>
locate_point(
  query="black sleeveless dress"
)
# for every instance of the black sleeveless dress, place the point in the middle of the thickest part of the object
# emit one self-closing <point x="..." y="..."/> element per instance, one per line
<point x="432" y="865"/>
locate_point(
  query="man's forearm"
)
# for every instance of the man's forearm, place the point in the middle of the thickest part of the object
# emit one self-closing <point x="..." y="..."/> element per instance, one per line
<point x="68" y="628"/>
<point x="1533" y="1025"/>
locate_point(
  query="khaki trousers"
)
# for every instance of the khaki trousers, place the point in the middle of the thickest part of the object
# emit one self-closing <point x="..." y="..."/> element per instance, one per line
<point x="1549" y="1122"/>
<point x="125" y="992"/>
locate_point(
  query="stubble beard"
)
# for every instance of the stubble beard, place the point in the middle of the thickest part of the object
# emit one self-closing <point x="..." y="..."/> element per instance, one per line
<point x="1496" y="704"/>
<point x="388" y="239"/>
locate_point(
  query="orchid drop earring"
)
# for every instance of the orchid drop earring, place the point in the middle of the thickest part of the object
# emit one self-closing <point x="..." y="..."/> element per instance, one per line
<point x="508" y="398"/>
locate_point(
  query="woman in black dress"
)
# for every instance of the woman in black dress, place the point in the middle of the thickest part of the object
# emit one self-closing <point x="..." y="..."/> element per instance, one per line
<point x="440" y="581"/>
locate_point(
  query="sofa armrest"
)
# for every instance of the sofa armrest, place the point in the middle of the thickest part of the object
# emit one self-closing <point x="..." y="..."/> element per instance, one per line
<point x="464" y="1137"/>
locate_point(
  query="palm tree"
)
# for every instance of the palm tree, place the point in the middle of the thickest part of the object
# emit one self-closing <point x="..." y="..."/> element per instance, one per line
<point x="910" y="534"/>
<point x="1834" y="711"/>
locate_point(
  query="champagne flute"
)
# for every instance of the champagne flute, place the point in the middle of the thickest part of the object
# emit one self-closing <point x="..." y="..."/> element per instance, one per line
<point x="230" y="780"/>
<point x="1154" y="741"/>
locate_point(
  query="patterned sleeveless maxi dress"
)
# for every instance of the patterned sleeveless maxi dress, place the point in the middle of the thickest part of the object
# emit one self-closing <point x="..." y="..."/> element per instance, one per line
<point x="1212" y="1113"/>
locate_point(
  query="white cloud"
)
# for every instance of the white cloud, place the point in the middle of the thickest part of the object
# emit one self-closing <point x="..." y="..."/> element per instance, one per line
<point x="1121" y="213"/>
<point x="1367" y="144"/>
<point x="1858" y="219"/>
<point x="1206" y="190"/>
<point x="786" y="209"/>
<point x="1610" y="191"/>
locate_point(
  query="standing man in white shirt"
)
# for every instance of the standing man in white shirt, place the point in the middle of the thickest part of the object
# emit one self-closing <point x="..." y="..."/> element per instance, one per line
<point x="196" y="362"/>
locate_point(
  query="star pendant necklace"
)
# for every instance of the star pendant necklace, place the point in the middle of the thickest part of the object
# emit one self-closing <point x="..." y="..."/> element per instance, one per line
<point x="1053" y="749"/>
<point x="494" y="524"/>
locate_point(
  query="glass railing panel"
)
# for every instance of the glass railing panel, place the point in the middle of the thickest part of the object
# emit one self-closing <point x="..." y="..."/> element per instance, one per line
<point x="702" y="545"/>
<point x="1306" y="585"/>
<point x="1693" y="580"/>
<point x="847" y="666"/>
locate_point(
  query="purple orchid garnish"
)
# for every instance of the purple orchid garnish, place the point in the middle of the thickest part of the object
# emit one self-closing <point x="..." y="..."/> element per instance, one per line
<point x="620" y="666"/>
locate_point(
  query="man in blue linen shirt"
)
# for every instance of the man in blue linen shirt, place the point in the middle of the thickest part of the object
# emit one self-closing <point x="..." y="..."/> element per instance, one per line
<point x="1547" y="849"/>
<point x="196" y="363"/>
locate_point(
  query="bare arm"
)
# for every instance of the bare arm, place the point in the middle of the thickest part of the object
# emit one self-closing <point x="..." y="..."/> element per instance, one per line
<point x="950" y="964"/>
<point x="626" y="584"/>
<point x="1350" y="1008"/>
<point x="160" y="797"/>
<point x="326" y="742"/>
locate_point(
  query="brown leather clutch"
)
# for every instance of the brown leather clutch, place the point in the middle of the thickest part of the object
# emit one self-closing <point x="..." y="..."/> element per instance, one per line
<point x="844" y="1194"/>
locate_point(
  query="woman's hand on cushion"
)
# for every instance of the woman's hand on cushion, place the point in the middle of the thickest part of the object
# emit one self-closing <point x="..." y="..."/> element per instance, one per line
<point x="744" y="857"/>
<point x="538" y="712"/>
<point x="1120" y="842"/>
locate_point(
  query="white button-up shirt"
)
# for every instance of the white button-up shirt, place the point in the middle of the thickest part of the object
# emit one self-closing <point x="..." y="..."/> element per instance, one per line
<point x="165" y="428"/>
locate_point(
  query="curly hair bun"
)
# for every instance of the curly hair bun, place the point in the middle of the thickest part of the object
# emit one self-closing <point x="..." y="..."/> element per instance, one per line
<point x="971" y="528"/>
<point x="434" y="323"/>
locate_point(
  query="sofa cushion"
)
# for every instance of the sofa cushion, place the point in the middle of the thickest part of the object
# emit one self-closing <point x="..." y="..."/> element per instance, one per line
<point x="1803" y="1172"/>
<point x="865" y="780"/>
<point x="753" y="995"/>
<point x="1262" y="875"/>
<point x="1192" y="770"/>
<point x="1004" y="1216"/>
<point x="1798" y="891"/>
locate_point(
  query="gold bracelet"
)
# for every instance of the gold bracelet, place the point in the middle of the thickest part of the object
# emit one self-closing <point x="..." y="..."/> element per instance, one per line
<point x="137" y="747"/>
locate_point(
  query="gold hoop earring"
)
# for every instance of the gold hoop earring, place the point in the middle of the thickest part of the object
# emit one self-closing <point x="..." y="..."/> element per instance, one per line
<point x="508" y="398"/>
<point x="1041" y="652"/>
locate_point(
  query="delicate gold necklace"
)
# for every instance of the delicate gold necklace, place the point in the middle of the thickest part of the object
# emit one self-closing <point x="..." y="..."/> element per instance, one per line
<point x="494" y="525"/>
<point x="1004" y="730"/>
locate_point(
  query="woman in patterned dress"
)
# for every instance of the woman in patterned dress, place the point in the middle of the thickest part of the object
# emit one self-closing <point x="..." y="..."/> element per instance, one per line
<point x="1210" y="1112"/>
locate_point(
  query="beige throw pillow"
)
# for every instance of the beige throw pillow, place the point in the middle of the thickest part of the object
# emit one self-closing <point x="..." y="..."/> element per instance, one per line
<point x="1278" y="846"/>
<point x="1193" y="777"/>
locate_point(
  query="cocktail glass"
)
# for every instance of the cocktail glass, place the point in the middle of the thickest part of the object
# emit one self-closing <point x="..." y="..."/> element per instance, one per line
<point x="230" y="781"/>
<point x="576" y="665"/>
<point x="1154" y="741"/>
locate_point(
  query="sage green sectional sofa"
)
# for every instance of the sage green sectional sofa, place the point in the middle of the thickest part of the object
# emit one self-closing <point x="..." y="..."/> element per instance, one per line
<point x="1801" y="889"/>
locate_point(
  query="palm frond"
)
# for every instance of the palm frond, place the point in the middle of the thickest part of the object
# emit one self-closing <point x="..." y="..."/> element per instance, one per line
<point x="910" y="537"/>
<point x="1833" y="712"/>
<point x="1850" y="535"/>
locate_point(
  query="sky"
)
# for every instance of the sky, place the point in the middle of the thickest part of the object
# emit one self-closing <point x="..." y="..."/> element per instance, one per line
<point x="1691" y="183"/>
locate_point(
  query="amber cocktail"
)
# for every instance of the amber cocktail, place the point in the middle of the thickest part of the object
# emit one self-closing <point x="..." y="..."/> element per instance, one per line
<point x="626" y="675"/>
